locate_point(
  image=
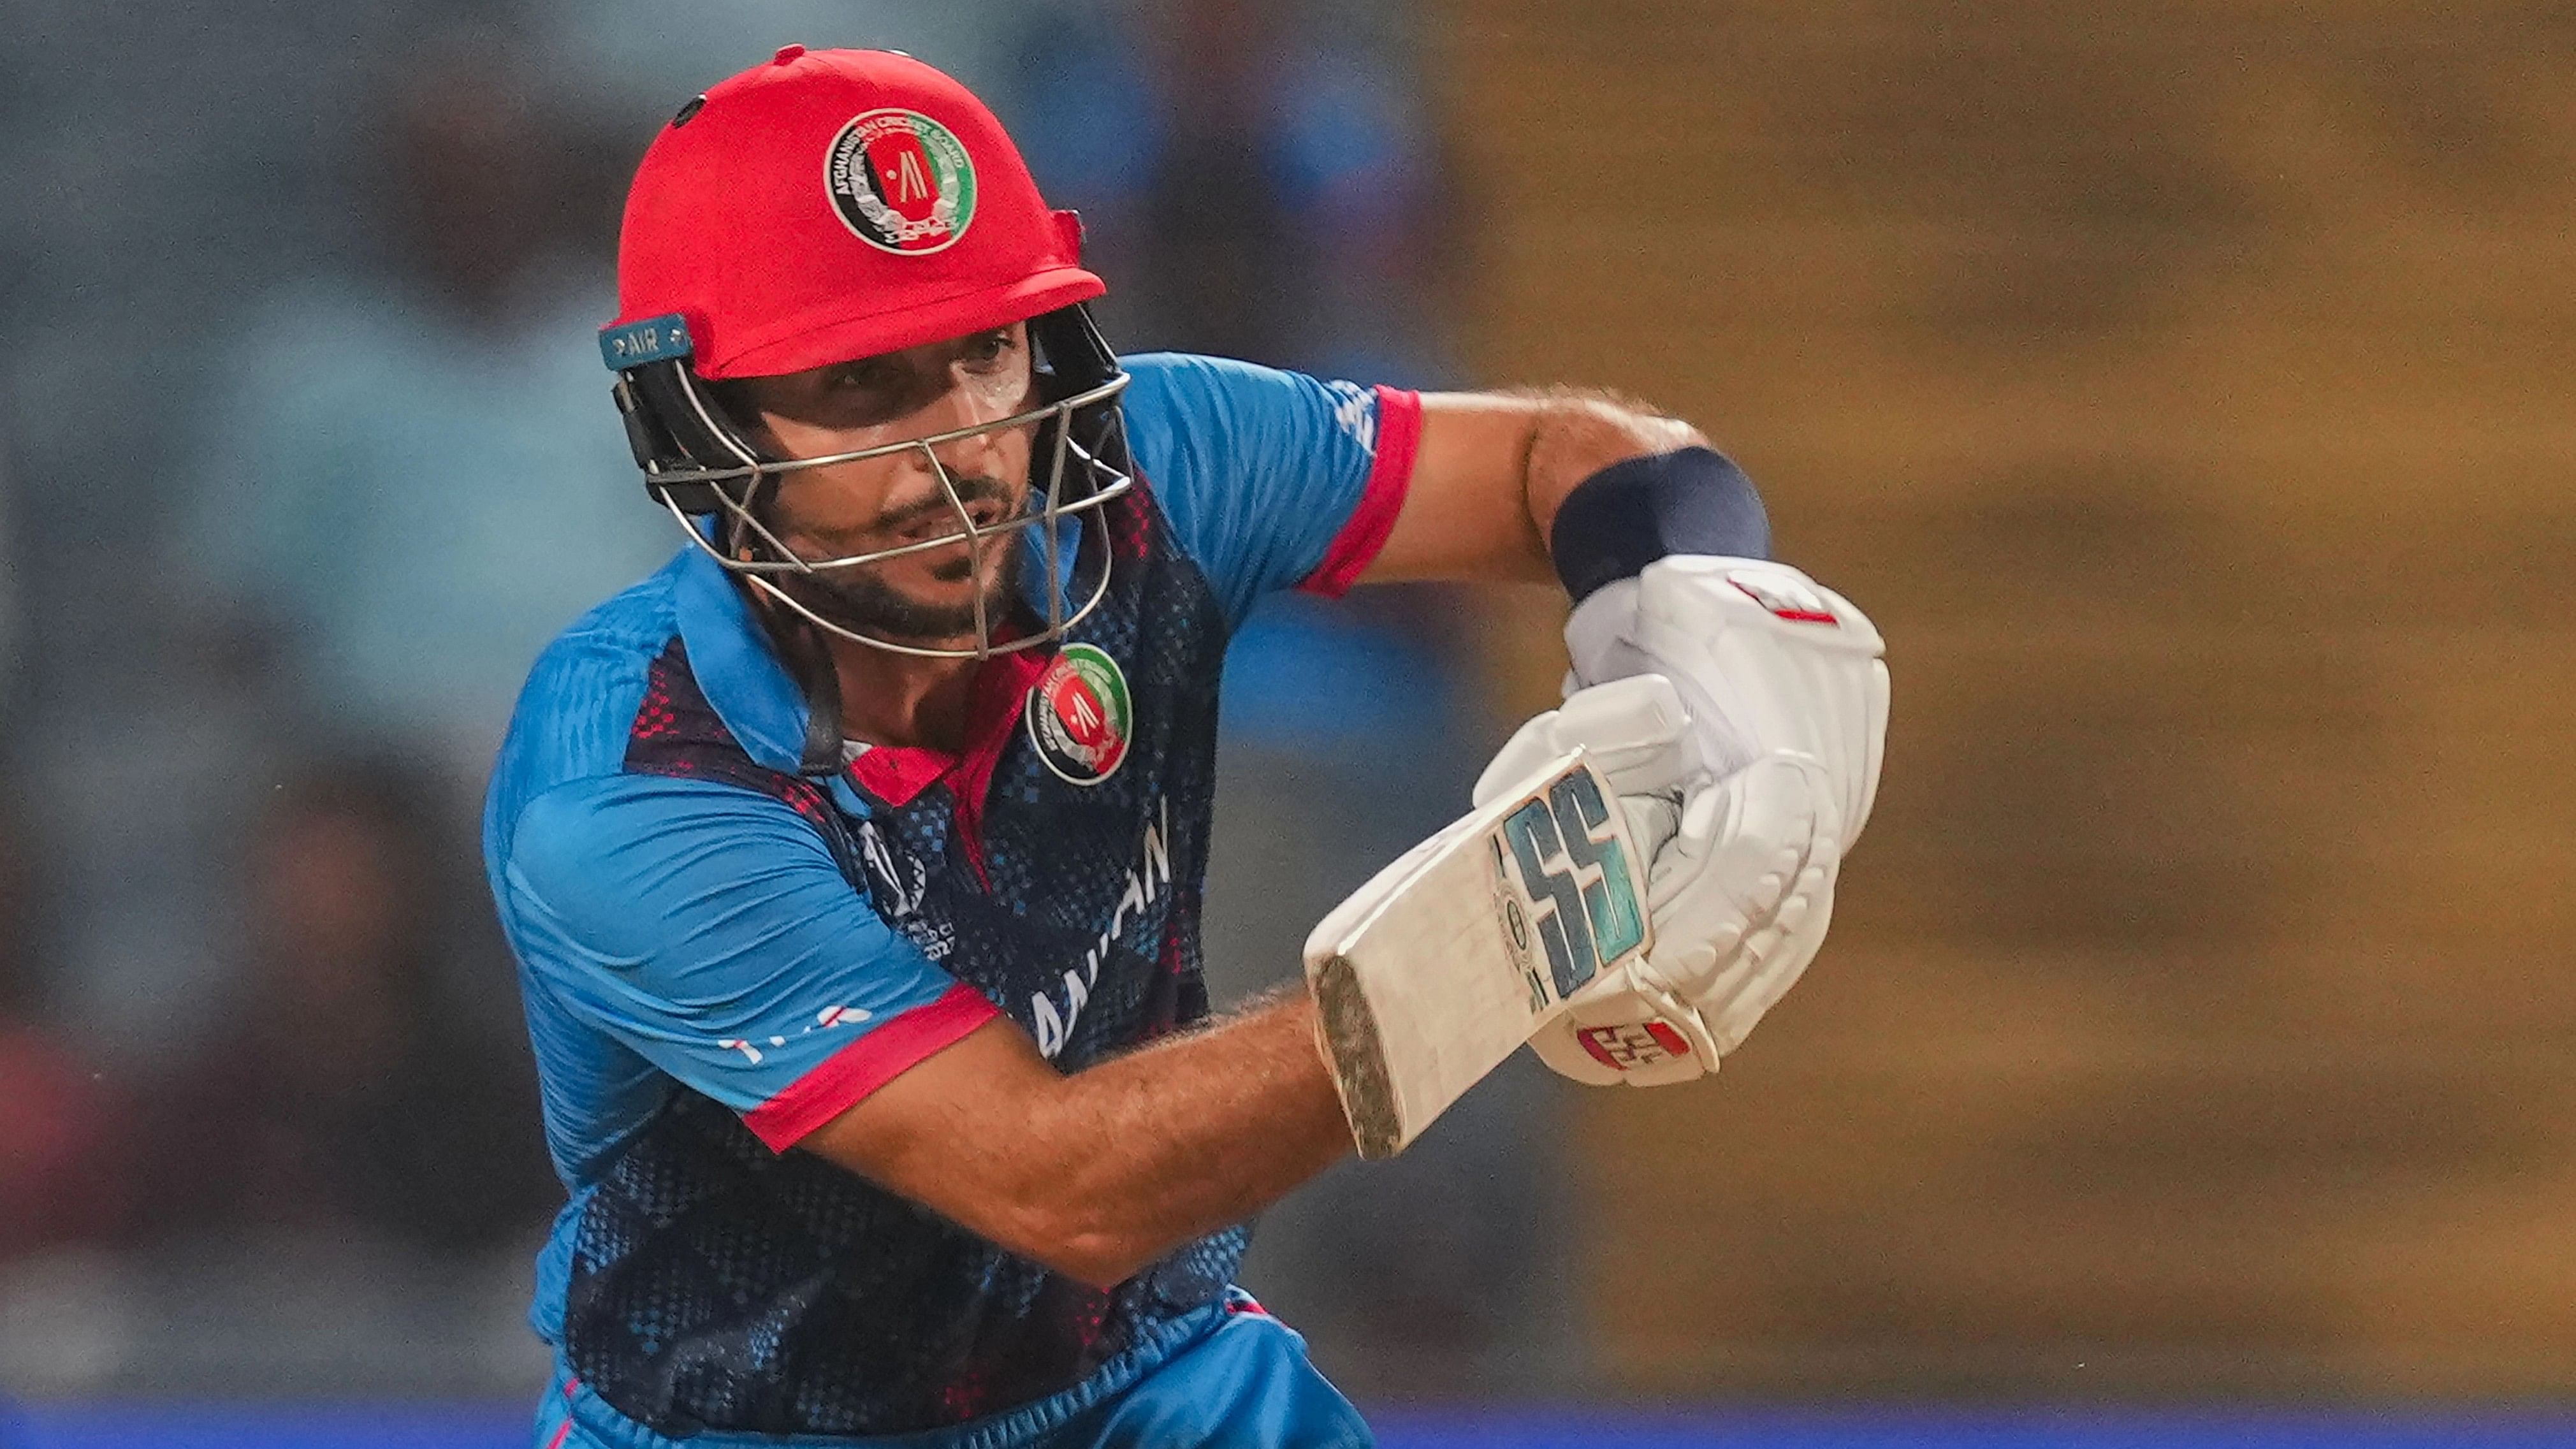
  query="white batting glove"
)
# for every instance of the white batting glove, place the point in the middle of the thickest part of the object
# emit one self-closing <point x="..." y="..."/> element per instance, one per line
<point x="1748" y="887"/>
<point x="1769" y="663"/>
<point x="1764" y="657"/>
<point x="1640" y="738"/>
<point x="1735" y="869"/>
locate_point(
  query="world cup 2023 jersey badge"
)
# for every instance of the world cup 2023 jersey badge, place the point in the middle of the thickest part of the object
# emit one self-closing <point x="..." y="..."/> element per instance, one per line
<point x="901" y="181"/>
<point x="1080" y="716"/>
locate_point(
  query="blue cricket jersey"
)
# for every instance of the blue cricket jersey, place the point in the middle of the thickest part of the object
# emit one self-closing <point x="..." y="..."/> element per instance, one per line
<point x="718" y="954"/>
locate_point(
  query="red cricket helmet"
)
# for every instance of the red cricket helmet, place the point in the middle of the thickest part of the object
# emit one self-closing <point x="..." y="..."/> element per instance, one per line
<point x="835" y="204"/>
<point x="840" y="204"/>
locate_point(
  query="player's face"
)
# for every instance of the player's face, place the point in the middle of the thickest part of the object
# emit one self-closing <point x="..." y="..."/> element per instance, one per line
<point x="841" y="509"/>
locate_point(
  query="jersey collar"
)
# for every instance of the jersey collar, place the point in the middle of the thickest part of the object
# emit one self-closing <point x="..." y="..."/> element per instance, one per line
<point x="736" y="669"/>
<point x="751" y="691"/>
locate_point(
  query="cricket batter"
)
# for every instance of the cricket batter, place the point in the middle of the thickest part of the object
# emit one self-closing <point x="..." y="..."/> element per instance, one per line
<point x="853" y="860"/>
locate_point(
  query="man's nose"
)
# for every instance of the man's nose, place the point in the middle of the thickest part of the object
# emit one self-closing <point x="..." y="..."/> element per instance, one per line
<point x="962" y="408"/>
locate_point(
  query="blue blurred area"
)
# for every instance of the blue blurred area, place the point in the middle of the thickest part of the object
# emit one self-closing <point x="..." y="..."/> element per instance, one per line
<point x="414" y="1426"/>
<point x="1305" y="675"/>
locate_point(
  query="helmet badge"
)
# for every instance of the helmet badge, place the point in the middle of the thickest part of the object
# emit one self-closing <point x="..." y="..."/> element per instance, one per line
<point x="901" y="181"/>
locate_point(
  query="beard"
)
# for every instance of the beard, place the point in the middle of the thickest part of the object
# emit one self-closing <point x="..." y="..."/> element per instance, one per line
<point x="860" y="600"/>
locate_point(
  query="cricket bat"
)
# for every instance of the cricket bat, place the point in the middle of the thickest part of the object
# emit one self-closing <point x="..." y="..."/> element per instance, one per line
<point x="1448" y="960"/>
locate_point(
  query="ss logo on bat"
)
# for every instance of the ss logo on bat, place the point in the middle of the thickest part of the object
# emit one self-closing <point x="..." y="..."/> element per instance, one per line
<point x="1574" y="871"/>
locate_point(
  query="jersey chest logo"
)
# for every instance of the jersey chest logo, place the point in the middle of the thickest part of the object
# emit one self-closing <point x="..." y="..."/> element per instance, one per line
<point x="1080" y="715"/>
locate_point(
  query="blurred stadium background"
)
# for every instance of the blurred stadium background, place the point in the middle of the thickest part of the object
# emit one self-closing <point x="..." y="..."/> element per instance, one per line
<point x="2183" y="385"/>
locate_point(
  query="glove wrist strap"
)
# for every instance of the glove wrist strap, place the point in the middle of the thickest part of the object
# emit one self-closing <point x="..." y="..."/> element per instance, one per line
<point x="1632" y="513"/>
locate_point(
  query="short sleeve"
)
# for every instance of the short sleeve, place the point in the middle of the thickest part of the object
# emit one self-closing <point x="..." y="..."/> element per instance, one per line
<point x="708" y="928"/>
<point x="1271" y="479"/>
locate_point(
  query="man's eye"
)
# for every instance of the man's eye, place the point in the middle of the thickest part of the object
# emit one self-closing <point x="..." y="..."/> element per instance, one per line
<point x="988" y="348"/>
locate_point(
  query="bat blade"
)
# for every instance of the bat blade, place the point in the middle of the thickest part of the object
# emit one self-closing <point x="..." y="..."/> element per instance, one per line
<point x="1447" y="961"/>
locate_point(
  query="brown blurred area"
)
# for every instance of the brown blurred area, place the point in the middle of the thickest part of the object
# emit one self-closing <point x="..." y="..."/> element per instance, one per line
<point x="2184" y="389"/>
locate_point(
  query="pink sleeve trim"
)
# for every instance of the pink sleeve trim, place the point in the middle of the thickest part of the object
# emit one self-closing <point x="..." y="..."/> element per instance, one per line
<point x="846" y="1077"/>
<point x="1399" y="433"/>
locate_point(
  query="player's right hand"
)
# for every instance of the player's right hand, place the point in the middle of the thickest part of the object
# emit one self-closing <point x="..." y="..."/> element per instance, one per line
<point x="1743" y="894"/>
<point x="1739" y="887"/>
<point x="1638" y="734"/>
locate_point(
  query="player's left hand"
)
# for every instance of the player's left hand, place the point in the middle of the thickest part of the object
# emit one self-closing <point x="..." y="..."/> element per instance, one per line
<point x="1765" y="658"/>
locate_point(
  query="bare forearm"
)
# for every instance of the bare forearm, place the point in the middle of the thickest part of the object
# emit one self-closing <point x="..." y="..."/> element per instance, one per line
<point x="1576" y="434"/>
<point x="1492" y="469"/>
<point x="1191" y="1134"/>
<point x="1098" y="1173"/>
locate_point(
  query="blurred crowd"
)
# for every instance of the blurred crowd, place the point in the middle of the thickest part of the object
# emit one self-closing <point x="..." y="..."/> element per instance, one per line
<point x="307" y="451"/>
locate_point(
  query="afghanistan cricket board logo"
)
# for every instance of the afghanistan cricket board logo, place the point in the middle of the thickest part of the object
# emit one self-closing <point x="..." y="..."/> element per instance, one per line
<point x="902" y="181"/>
<point x="1080" y="716"/>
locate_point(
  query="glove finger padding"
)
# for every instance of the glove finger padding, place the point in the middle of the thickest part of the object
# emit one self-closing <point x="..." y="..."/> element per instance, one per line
<point x="1764" y="971"/>
<point x="1739" y="899"/>
<point x="1741" y="849"/>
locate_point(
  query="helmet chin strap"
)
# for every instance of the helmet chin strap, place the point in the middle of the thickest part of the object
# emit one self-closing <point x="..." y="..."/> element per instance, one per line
<point x="807" y="653"/>
<point x="805" y="647"/>
<point x="820" y="679"/>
